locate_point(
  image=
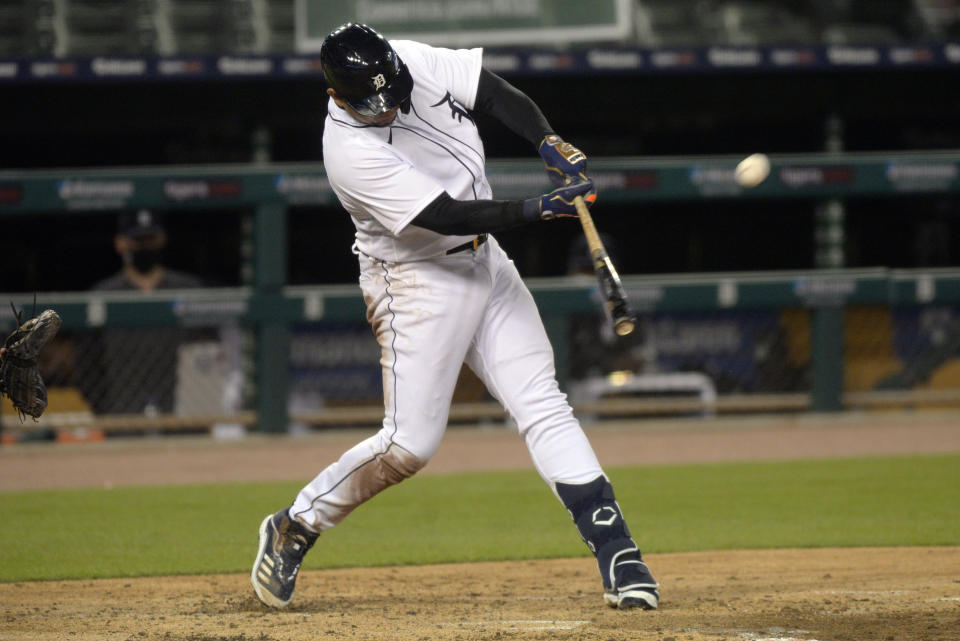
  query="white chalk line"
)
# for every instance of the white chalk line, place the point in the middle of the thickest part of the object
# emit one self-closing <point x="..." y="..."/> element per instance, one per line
<point x="868" y="592"/>
<point x="527" y="625"/>
<point x="753" y="636"/>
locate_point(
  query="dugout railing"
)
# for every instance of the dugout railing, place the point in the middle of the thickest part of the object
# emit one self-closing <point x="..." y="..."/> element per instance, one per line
<point x="818" y="303"/>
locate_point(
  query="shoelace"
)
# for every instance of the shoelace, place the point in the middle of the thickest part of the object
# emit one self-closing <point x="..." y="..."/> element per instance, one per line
<point x="294" y="543"/>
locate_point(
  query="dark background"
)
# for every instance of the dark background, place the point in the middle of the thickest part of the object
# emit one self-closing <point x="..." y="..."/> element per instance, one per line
<point x="165" y="123"/>
<point x="143" y="123"/>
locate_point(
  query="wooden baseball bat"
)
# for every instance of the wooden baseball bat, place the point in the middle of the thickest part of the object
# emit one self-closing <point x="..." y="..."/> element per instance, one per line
<point x="615" y="299"/>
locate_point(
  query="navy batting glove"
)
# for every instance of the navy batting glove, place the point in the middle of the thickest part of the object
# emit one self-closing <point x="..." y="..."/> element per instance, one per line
<point x="563" y="161"/>
<point x="559" y="202"/>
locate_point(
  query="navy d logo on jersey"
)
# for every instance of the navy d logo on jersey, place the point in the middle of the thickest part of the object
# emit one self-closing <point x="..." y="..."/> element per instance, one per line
<point x="456" y="111"/>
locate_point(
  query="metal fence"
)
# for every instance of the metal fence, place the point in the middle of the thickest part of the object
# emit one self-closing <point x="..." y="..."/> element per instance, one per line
<point x="182" y="362"/>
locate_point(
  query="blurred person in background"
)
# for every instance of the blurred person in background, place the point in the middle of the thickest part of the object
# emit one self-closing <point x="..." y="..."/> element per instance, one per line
<point x="132" y="370"/>
<point x="140" y="241"/>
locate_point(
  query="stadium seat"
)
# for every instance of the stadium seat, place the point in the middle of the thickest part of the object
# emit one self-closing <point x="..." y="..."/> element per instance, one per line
<point x="868" y="348"/>
<point x="947" y="376"/>
<point x="669" y="23"/>
<point x="279" y="23"/>
<point x="753" y="23"/>
<point x="210" y="26"/>
<point x="11" y="45"/>
<point x="12" y="19"/>
<point x="93" y="27"/>
<point x="870" y="22"/>
<point x="26" y="28"/>
<point x="192" y="27"/>
<point x="859" y="34"/>
<point x="941" y="16"/>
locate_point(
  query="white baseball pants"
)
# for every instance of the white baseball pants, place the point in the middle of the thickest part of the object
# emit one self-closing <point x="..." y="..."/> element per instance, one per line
<point x="429" y="317"/>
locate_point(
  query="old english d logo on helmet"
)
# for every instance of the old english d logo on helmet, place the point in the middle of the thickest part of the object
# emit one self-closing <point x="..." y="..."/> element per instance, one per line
<point x="364" y="70"/>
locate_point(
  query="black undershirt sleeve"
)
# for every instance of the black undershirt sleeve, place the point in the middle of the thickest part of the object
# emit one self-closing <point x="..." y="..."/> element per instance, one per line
<point x="498" y="98"/>
<point x="501" y="100"/>
<point x="463" y="217"/>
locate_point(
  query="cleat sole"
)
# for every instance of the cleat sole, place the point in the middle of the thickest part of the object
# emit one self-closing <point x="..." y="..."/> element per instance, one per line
<point x="632" y="600"/>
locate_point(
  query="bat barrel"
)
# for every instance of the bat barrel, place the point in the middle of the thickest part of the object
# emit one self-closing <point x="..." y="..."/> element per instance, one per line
<point x="616" y="300"/>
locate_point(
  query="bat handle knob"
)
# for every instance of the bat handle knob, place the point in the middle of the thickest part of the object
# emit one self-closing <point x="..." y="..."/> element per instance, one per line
<point x="624" y="327"/>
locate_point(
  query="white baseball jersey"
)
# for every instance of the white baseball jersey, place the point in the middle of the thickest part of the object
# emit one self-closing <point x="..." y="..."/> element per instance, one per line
<point x="385" y="176"/>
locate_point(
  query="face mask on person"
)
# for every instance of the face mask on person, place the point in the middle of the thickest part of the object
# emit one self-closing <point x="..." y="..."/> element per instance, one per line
<point x="143" y="260"/>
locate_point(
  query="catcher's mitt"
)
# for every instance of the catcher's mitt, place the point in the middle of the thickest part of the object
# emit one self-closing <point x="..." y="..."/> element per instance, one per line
<point x="19" y="377"/>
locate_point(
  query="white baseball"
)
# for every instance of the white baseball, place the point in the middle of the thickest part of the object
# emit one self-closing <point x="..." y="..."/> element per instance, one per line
<point x="752" y="170"/>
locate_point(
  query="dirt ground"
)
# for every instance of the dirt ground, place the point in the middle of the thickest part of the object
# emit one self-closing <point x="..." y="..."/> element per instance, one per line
<point x="777" y="595"/>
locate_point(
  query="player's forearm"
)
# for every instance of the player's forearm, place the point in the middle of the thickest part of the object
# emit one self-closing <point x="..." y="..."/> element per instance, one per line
<point x="463" y="217"/>
<point x="498" y="98"/>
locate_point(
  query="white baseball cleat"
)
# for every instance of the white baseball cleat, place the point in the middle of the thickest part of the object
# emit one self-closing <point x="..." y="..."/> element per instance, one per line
<point x="643" y="598"/>
<point x="636" y="587"/>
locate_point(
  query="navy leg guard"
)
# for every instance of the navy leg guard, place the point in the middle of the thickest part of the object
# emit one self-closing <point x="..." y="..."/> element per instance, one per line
<point x="626" y="578"/>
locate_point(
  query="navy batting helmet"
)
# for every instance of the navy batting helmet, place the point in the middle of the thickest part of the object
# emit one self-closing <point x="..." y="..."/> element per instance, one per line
<point x="364" y="70"/>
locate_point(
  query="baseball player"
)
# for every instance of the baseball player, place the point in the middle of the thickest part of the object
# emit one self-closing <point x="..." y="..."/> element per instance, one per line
<point x="404" y="157"/>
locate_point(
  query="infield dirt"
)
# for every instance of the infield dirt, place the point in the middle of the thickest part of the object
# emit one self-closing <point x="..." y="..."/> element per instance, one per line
<point x="909" y="594"/>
